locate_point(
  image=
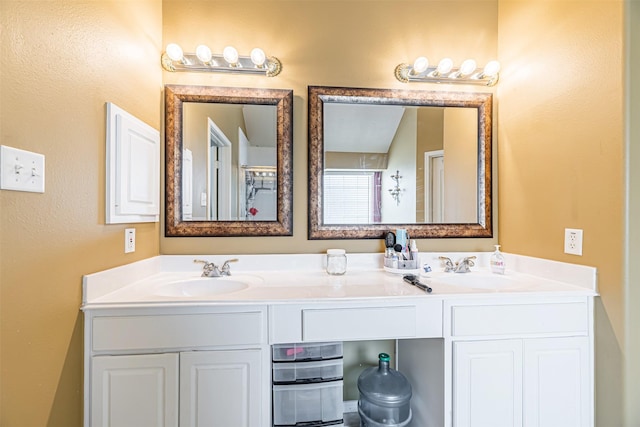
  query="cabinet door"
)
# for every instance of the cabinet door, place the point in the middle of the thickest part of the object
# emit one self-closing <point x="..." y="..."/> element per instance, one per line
<point x="133" y="168"/>
<point x="134" y="391"/>
<point x="487" y="383"/>
<point x="221" y="388"/>
<point x="557" y="382"/>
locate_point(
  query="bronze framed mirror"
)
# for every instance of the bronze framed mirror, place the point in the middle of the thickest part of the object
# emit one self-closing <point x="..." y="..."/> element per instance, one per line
<point x="229" y="154"/>
<point x="381" y="159"/>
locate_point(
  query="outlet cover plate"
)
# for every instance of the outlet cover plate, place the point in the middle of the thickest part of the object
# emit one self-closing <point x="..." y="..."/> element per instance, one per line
<point x="573" y="241"/>
<point x="129" y="240"/>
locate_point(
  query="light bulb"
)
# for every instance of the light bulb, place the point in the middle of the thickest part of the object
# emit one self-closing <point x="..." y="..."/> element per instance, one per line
<point x="468" y="67"/>
<point x="203" y="53"/>
<point x="174" y="52"/>
<point x="420" y="65"/>
<point x="491" y="69"/>
<point x="258" y="57"/>
<point x="230" y="55"/>
<point x="445" y="65"/>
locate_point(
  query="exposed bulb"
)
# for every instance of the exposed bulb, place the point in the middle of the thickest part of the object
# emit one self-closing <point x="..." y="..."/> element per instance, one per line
<point x="203" y="53"/>
<point x="230" y="54"/>
<point x="491" y="69"/>
<point x="174" y="52"/>
<point x="420" y="65"/>
<point x="468" y="67"/>
<point x="445" y="65"/>
<point x="258" y="57"/>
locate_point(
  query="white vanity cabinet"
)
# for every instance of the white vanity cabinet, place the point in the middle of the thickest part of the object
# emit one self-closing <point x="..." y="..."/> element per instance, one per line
<point x="221" y="388"/>
<point x="522" y="364"/>
<point x="134" y="390"/>
<point x="520" y="356"/>
<point x="191" y="367"/>
<point x="487" y="383"/>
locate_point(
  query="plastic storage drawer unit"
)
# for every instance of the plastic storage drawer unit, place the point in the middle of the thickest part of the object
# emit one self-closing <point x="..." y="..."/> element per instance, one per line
<point x="307" y="351"/>
<point x="307" y="372"/>
<point x="319" y="403"/>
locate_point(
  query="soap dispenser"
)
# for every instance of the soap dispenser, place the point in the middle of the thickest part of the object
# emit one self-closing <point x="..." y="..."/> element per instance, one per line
<point x="497" y="261"/>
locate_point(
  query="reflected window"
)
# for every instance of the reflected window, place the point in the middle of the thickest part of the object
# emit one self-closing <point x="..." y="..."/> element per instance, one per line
<point x="352" y="197"/>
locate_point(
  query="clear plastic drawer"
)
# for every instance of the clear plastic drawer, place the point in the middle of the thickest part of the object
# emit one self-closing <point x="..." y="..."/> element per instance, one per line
<point x="307" y="403"/>
<point x="307" y="372"/>
<point x="306" y="351"/>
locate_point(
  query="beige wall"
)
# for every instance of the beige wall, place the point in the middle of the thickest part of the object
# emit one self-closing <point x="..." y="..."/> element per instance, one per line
<point x="460" y="165"/>
<point x="561" y="147"/>
<point x="402" y="161"/>
<point x="323" y="42"/>
<point x="61" y="61"/>
<point x="632" y="267"/>
<point x="430" y="131"/>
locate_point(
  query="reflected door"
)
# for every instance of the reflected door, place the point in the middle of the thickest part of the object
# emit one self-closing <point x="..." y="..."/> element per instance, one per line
<point x="187" y="184"/>
<point x="434" y="187"/>
<point x="220" y="200"/>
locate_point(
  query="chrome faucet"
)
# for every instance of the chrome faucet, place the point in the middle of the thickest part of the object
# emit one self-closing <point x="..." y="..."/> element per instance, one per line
<point x="463" y="265"/>
<point x="211" y="270"/>
<point x="448" y="264"/>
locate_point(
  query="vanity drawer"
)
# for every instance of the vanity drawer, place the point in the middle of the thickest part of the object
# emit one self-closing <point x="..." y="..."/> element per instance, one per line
<point x="355" y="322"/>
<point x="566" y="318"/>
<point x="158" y="332"/>
<point x="358" y="323"/>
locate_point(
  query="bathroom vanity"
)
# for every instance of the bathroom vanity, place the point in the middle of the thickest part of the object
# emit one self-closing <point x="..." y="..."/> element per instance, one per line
<point x="165" y="348"/>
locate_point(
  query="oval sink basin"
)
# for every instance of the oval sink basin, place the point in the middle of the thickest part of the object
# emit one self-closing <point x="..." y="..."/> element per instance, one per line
<point x="202" y="287"/>
<point x="475" y="280"/>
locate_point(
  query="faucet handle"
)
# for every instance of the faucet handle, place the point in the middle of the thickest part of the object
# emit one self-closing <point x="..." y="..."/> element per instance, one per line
<point x="469" y="260"/>
<point x="463" y="265"/>
<point x="446" y="260"/>
<point x="207" y="264"/>
<point x="448" y="264"/>
<point x="226" y="270"/>
<point x="209" y="268"/>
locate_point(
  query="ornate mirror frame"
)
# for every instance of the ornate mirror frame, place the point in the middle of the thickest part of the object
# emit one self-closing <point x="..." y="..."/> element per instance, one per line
<point x="175" y="96"/>
<point x="319" y="95"/>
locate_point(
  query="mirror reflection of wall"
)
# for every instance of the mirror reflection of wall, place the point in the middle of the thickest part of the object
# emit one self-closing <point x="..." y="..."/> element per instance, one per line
<point x="233" y="166"/>
<point x="434" y="149"/>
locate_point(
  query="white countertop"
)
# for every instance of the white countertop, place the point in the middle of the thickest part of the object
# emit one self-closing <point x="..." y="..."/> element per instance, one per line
<point x="277" y="279"/>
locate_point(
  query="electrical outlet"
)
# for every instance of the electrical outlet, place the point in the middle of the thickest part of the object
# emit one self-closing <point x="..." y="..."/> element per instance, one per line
<point x="573" y="241"/>
<point x="129" y="240"/>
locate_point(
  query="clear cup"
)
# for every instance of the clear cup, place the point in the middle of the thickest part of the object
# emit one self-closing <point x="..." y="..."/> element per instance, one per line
<point x="336" y="262"/>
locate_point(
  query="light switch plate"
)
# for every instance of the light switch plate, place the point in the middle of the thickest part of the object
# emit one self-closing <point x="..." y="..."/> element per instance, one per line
<point x="21" y="170"/>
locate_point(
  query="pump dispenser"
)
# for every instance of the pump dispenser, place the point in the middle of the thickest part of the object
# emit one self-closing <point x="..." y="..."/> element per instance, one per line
<point x="497" y="261"/>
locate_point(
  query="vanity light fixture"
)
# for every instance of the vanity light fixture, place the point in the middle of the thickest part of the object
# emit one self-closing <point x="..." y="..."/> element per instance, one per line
<point x="396" y="190"/>
<point x="174" y="59"/>
<point x="445" y="72"/>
